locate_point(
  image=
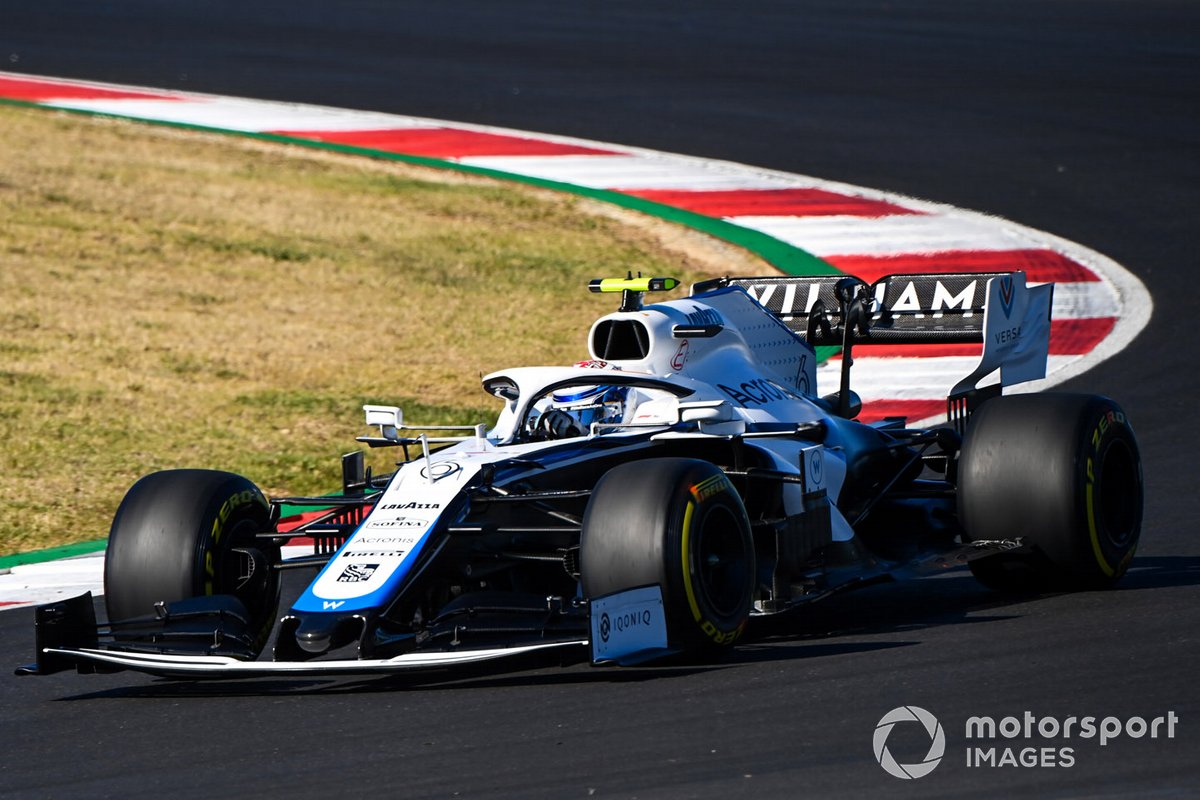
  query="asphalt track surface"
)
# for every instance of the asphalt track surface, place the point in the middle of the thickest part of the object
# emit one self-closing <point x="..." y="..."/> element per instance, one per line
<point x="1072" y="116"/>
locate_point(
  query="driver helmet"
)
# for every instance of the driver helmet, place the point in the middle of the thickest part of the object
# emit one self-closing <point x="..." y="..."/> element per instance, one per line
<point x="591" y="404"/>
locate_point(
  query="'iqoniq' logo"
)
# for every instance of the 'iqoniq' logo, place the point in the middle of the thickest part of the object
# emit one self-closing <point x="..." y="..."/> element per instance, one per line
<point x="937" y="742"/>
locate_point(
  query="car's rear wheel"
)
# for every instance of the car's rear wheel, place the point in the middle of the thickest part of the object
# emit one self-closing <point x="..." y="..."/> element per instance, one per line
<point x="180" y="534"/>
<point x="680" y="524"/>
<point x="1061" y="472"/>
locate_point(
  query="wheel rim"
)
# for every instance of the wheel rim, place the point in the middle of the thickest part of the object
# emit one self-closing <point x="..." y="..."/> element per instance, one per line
<point x="1119" y="495"/>
<point x="721" y="562"/>
<point x="240" y="572"/>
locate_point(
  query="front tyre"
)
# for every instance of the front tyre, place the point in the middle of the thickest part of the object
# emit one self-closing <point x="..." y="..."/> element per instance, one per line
<point x="1061" y="471"/>
<point x="189" y="533"/>
<point x="678" y="523"/>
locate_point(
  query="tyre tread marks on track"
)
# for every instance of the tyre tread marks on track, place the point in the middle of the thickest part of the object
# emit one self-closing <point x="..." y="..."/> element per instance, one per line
<point x="1099" y="306"/>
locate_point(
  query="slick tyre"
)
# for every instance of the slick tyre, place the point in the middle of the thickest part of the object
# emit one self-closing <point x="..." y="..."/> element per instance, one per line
<point x="189" y="533"/>
<point x="680" y="524"/>
<point x="1063" y="473"/>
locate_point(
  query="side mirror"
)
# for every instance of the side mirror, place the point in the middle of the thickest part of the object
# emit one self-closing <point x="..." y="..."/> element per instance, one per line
<point x="706" y="411"/>
<point x="715" y="417"/>
<point x="388" y="418"/>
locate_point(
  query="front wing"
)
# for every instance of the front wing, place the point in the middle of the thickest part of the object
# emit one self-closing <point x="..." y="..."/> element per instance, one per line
<point x="67" y="637"/>
<point x="197" y="666"/>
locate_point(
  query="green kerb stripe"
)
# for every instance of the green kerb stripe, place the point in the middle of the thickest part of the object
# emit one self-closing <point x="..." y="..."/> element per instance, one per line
<point x="52" y="554"/>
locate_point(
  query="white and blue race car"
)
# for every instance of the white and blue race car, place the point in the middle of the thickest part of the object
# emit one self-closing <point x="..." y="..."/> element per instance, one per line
<point x="647" y="503"/>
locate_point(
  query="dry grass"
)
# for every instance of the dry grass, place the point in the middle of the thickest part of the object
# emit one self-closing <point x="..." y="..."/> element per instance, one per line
<point x="176" y="299"/>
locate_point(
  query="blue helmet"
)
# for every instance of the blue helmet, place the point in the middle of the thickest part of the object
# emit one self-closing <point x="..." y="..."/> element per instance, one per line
<point x="574" y="409"/>
<point x="591" y="404"/>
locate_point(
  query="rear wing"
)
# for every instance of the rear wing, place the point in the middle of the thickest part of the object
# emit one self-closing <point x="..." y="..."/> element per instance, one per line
<point x="995" y="309"/>
<point x="903" y="309"/>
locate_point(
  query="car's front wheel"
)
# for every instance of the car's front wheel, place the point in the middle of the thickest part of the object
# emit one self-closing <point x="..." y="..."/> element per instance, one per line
<point x="186" y="533"/>
<point x="677" y="523"/>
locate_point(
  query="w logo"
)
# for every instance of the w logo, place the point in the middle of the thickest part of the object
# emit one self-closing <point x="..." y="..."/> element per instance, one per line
<point x="1007" y="292"/>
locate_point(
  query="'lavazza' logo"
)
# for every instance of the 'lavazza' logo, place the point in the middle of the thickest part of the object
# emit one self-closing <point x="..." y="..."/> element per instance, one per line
<point x="937" y="742"/>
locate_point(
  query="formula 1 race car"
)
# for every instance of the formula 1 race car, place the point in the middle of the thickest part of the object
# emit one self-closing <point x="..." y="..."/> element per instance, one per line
<point x="648" y="502"/>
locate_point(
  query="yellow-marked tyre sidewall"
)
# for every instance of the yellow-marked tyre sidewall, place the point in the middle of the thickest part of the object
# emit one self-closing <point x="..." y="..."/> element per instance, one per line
<point x="1111" y="465"/>
<point x="717" y="609"/>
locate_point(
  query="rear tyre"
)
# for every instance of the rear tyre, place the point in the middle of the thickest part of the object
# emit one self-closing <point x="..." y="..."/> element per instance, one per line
<point x="189" y="533"/>
<point x="678" y="523"/>
<point x="1060" y="471"/>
